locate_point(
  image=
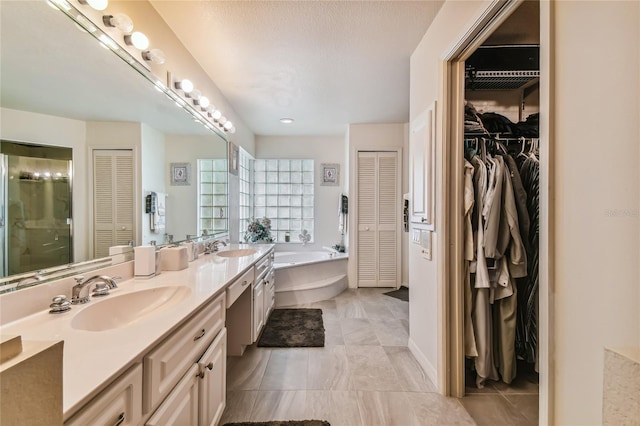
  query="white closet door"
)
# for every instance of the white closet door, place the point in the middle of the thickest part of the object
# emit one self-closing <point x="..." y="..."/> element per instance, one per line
<point x="113" y="199"/>
<point x="377" y="219"/>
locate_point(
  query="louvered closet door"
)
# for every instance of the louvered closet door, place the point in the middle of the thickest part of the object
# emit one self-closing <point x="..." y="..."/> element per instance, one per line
<point x="377" y="219"/>
<point x="113" y="199"/>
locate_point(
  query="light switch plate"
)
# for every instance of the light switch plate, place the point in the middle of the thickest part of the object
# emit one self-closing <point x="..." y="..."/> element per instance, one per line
<point x="425" y="244"/>
<point x="416" y="236"/>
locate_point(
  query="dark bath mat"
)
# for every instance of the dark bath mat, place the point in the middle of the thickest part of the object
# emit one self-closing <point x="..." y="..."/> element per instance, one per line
<point x="283" y="423"/>
<point x="293" y="328"/>
<point x="402" y="293"/>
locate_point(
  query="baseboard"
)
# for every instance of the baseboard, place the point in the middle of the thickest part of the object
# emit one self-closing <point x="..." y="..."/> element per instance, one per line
<point x="429" y="369"/>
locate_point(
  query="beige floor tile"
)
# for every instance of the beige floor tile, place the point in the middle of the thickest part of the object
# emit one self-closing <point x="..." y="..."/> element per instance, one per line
<point x="286" y="369"/>
<point x="522" y="384"/>
<point x="358" y="331"/>
<point x="350" y="308"/>
<point x="411" y="376"/>
<point x="328" y="369"/>
<point x="385" y="408"/>
<point x="339" y="408"/>
<point x="370" y="369"/>
<point x="435" y="409"/>
<point x="279" y="405"/>
<point x="377" y="309"/>
<point x="405" y="324"/>
<point x="399" y="308"/>
<point x="245" y="373"/>
<point x="493" y="410"/>
<point x="333" y="331"/>
<point x="239" y="406"/>
<point x="527" y="405"/>
<point x="390" y="332"/>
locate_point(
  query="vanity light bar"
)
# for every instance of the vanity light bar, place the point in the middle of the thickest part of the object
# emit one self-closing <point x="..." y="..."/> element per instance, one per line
<point x="199" y="107"/>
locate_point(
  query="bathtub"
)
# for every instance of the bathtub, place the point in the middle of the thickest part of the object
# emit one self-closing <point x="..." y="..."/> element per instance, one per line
<point x="310" y="276"/>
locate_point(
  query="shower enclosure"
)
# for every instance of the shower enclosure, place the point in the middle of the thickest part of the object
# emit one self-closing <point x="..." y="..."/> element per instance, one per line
<point x="35" y="207"/>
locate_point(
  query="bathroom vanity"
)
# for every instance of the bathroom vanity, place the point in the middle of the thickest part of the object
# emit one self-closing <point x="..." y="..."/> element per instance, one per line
<point x="154" y="351"/>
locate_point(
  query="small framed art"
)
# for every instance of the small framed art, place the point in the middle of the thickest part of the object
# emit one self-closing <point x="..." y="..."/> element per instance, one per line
<point x="330" y="174"/>
<point x="180" y="174"/>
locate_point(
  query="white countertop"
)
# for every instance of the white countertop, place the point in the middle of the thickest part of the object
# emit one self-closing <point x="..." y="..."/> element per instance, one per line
<point x="93" y="358"/>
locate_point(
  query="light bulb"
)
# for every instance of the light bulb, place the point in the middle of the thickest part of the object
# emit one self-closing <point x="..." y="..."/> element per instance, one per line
<point x="232" y="130"/>
<point x="195" y="94"/>
<point x="228" y="125"/>
<point x="47" y="174"/>
<point x="216" y="115"/>
<point x="137" y="40"/>
<point x="154" y="55"/>
<point x="210" y="109"/>
<point x="119" y="21"/>
<point x="96" y="4"/>
<point x="222" y="120"/>
<point x="185" y="85"/>
<point x="204" y="102"/>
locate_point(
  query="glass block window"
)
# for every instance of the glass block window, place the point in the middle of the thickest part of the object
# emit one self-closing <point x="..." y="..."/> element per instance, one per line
<point x="246" y="196"/>
<point x="213" y="213"/>
<point x="283" y="192"/>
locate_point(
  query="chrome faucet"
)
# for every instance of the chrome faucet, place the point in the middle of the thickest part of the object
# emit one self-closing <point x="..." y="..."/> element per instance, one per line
<point x="212" y="246"/>
<point x="103" y="284"/>
<point x="29" y="281"/>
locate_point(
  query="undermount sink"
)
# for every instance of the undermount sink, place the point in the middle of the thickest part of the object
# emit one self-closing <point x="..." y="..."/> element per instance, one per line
<point x="236" y="253"/>
<point x="126" y="309"/>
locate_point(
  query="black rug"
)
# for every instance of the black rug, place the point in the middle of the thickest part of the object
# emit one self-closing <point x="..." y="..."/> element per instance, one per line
<point x="283" y="423"/>
<point x="293" y="328"/>
<point x="402" y="293"/>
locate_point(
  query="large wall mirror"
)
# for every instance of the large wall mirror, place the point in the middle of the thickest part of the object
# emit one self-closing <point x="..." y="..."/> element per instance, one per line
<point x="63" y="92"/>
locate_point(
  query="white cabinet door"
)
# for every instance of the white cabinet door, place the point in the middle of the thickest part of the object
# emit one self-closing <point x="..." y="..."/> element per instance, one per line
<point x="378" y="219"/>
<point x="422" y="167"/>
<point x="119" y="404"/>
<point x="113" y="199"/>
<point x="181" y="406"/>
<point x="213" y="381"/>
<point x="258" y="309"/>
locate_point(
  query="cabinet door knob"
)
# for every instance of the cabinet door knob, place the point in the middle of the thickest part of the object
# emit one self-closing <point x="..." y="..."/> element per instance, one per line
<point x="210" y="366"/>
<point x="124" y="228"/>
<point x="121" y="419"/>
<point x="366" y="228"/>
<point x="200" y="375"/>
<point x="199" y="336"/>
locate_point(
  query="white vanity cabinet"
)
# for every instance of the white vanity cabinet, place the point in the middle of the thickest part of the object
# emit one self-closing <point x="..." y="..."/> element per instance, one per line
<point x="269" y="294"/>
<point x="120" y="404"/>
<point x="199" y="397"/>
<point x="165" y="364"/>
<point x="258" y="309"/>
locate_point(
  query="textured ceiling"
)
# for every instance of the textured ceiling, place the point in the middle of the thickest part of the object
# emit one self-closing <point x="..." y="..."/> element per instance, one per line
<point x="323" y="63"/>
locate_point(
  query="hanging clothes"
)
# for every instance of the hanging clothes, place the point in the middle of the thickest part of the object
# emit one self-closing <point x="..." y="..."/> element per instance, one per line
<point x="528" y="318"/>
<point x="496" y="257"/>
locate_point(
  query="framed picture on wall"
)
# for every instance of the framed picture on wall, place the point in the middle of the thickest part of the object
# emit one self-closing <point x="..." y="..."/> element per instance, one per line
<point x="180" y="174"/>
<point x="234" y="158"/>
<point x="330" y="174"/>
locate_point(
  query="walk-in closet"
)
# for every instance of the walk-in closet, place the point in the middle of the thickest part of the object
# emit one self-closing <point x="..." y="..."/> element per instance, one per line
<point x="500" y="229"/>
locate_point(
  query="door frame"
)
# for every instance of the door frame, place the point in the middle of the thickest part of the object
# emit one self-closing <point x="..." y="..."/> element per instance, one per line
<point x="450" y="266"/>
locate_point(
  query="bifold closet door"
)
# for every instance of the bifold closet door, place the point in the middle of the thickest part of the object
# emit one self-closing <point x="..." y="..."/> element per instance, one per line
<point x="113" y="199"/>
<point x="377" y="219"/>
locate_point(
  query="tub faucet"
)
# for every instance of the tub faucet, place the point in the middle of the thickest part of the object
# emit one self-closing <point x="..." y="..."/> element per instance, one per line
<point x="103" y="284"/>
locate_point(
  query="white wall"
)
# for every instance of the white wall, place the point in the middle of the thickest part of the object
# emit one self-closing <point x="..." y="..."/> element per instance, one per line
<point x="375" y="137"/>
<point x="182" y="203"/>
<point x="154" y="173"/>
<point x="22" y="126"/>
<point x="425" y="87"/>
<point x="322" y="149"/>
<point x="597" y="201"/>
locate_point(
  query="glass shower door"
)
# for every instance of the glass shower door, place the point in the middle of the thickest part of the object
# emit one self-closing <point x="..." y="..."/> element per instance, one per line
<point x="38" y="208"/>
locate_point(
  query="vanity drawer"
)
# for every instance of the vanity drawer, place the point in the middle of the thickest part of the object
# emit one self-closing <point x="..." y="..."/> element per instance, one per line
<point x="120" y="403"/>
<point x="239" y="286"/>
<point x="164" y="365"/>
<point x="263" y="266"/>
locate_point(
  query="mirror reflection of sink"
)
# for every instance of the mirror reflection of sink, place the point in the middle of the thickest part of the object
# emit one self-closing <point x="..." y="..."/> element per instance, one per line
<point x="125" y="309"/>
<point x="236" y="253"/>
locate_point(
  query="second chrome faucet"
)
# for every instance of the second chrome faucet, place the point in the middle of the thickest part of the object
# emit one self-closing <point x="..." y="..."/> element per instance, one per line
<point x="103" y="284"/>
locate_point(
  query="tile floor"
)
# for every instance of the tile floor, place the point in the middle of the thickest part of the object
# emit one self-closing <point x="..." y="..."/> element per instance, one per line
<point x="365" y="375"/>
